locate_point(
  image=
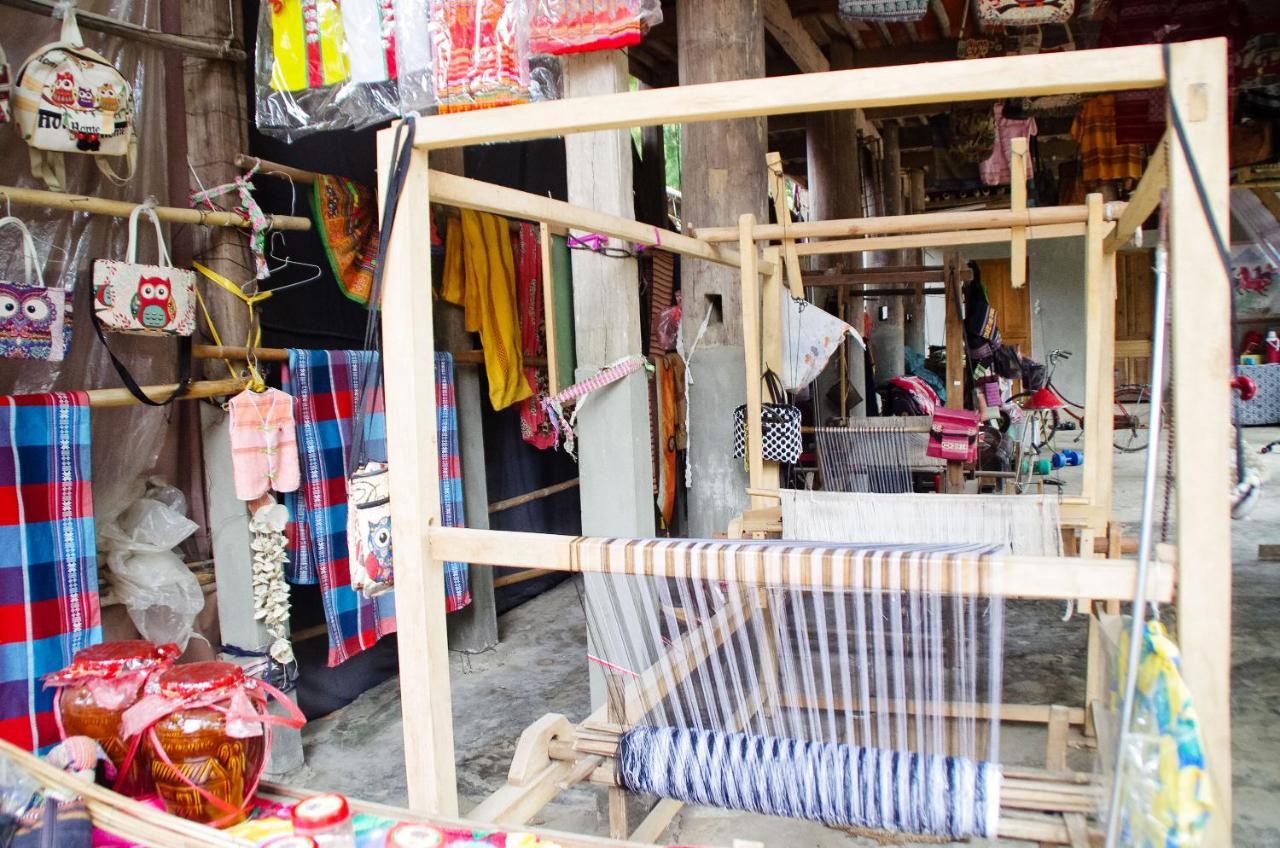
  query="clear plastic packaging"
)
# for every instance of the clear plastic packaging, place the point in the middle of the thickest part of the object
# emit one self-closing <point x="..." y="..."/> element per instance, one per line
<point x="325" y="65"/>
<point x="138" y="534"/>
<point x="579" y="26"/>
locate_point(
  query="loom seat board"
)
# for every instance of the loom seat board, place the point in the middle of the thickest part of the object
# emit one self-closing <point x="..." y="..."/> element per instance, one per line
<point x="555" y="754"/>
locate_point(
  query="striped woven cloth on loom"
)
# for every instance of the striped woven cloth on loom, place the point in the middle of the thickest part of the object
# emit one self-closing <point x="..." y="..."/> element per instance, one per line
<point x="852" y="685"/>
<point x="1028" y="525"/>
<point x="874" y="454"/>
<point x="49" y="580"/>
<point x="326" y="384"/>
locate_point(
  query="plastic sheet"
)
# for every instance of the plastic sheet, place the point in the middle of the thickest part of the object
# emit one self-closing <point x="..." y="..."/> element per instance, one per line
<point x="325" y="65"/>
<point x="580" y="26"/>
<point x="667" y="327"/>
<point x="138" y="534"/>
<point x="67" y="244"/>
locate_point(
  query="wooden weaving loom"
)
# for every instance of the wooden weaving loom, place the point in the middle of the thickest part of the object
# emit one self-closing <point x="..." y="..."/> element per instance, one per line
<point x="553" y="754"/>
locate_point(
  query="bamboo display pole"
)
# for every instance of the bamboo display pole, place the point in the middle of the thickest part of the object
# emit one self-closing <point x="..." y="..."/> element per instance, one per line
<point x="275" y="169"/>
<point x="530" y="497"/>
<point x="106" y="398"/>
<point x="226" y="49"/>
<point x="277" y="354"/>
<point x="123" y="209"/>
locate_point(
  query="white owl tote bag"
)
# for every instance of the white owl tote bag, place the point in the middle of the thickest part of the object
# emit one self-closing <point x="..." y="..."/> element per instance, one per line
<point x="34" y="323"/>
<point x="369" y="530"/>
<point x="151" y="299"/>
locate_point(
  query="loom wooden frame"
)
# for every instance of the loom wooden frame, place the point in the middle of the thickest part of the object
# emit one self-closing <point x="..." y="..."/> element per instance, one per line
<point x="1196" y="76"/>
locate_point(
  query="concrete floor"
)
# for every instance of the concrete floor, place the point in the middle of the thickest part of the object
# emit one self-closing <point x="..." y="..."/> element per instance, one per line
<point x="539" y="668"/>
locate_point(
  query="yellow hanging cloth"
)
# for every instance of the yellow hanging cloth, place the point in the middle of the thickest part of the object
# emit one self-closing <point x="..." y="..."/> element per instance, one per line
<point x="480" y="276"/>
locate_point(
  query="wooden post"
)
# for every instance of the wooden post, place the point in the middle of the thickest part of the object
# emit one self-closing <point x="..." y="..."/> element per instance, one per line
<point x="412" y="447"/>
<point x="1202" y="405"/>
<point x="722" y="176"/>
<point x="888" y="336"/>
<point x="913" y="322"/>
<point x="956" y="360"/>
<point x="1100" y="310"/>
<point x="771" y="335"/>
<point x="1018" y="203"/>
<point x="751" y="335"/>
<point x="833" y="152"/>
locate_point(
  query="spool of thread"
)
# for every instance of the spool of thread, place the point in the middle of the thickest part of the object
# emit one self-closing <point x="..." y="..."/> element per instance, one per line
<point x="1065" y="458"/>
<point x="829" y="782"/>
<point x="1043" y="466"/>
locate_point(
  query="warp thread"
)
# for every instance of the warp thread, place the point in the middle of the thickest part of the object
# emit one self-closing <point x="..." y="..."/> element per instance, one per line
<point x="876" y="455"/>
<point x="1028" y="524"/>
<point x="829" y="782"/>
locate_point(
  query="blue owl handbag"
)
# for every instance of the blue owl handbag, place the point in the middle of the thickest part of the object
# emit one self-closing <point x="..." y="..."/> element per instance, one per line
<point x="34" y="323"/>
<point x="129" y="297"/>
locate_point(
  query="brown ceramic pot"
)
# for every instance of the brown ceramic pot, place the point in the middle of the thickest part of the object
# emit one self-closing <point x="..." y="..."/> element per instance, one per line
<point x="100" y="684"/>
<point x="197" y="743"/>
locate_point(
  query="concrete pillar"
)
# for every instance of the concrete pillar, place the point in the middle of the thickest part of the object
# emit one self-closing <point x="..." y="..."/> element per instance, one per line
<point x="722" y="176"/>
<point x="614" y="453"/>
<point x="473" y="628"/>
<point x="835" y="191"/>
<point x="217" y="128"/>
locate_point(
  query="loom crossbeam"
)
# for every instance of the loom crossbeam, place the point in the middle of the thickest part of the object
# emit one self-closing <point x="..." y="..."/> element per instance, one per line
<point x="1024" y="577"/>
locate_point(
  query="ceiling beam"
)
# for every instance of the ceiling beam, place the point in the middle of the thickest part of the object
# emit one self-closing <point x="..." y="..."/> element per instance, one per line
<point x="793" y="38"/>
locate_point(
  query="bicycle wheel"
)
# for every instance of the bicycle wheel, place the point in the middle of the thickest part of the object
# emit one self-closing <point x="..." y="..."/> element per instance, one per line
<point x="1132" y="411"/>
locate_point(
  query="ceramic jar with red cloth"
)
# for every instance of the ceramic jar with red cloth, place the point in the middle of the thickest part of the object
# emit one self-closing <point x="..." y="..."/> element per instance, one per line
<point x="206" y="728"/>
<point x="95" y="690"/>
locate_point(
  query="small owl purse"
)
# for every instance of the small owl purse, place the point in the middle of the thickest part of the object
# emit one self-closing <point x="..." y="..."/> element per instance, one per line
<point x="157" y="300"/>
<point x="34" y="323"/>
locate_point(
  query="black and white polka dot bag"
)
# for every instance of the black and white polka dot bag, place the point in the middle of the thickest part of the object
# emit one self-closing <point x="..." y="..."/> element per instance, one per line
<point x="779" y="425"/>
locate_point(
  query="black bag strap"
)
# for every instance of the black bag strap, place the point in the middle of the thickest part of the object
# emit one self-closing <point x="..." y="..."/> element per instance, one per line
<point x="371" y="380"/>
<point x="777" y="394"/>
<point x="184" y="370"/>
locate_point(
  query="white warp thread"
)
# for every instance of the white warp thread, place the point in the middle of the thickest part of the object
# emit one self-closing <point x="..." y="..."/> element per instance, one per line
<point x="1028" y="524"/>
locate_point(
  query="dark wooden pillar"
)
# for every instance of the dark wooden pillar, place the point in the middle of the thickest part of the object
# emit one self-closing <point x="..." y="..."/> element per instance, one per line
<point x="835" y="191"/>
<point x="722" y="177"/>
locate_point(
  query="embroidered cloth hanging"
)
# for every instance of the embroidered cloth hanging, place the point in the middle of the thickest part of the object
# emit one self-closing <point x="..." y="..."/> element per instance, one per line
<point x="535" y="426"/>
<point x="346" y="214"/>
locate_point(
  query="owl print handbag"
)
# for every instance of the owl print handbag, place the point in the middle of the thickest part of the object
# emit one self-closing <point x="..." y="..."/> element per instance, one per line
<point x="34" y="323"/>
<point x="129" y="297"/>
